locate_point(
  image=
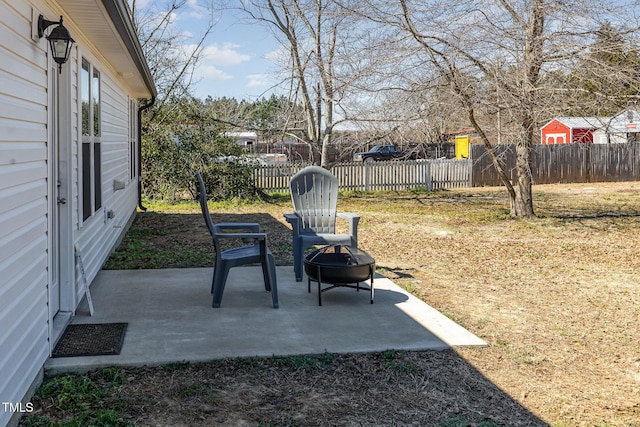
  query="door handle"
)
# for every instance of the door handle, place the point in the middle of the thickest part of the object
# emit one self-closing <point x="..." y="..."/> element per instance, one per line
<point x="62" y="201"/>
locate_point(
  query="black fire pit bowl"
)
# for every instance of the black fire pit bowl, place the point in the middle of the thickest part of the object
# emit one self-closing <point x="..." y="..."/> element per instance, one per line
<point x="339" y="265"/>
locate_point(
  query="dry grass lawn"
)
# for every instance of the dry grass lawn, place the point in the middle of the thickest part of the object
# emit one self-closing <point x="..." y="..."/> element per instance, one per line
<point x="556" y="297"/>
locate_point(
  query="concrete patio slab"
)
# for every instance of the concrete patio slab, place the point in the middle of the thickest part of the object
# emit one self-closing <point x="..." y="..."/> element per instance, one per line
<point x="171" y="320"/>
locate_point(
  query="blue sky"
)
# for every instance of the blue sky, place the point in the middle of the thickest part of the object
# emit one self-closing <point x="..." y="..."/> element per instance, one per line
<point x="235" y="61"/>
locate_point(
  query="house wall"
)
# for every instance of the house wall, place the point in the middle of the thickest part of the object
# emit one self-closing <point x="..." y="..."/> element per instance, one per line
<point x="26" y="332"/>
<point x="555" y="132"/>
<point x="618" y="138"/>
<point x="582" y="135"/>
<point x="600" y="137"/>
<point x="98" y="235"/>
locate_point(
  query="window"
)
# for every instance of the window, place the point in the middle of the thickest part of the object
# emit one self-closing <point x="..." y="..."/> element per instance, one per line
<point x="91" y="129"/>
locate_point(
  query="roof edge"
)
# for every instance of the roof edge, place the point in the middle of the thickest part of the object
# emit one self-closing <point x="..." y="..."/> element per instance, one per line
<point x="118" y="11"/>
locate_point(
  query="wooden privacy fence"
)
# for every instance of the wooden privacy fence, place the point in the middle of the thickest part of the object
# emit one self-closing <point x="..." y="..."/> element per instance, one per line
<point x="563" y="163"/>
<point x="390" y="175"/>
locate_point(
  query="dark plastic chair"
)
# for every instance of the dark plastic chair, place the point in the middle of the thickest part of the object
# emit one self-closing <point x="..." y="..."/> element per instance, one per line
<point x="314" y="193"/>
<point x="253" y="253"/>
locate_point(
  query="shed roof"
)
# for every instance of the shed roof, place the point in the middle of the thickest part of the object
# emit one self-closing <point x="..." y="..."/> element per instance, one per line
<point x="245" y="135"/>
<point x="583" y="122"/>
<point x="627" y="121"/>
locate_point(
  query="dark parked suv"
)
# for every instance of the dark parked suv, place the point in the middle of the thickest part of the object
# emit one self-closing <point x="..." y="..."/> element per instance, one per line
<point x="379" y="152"/>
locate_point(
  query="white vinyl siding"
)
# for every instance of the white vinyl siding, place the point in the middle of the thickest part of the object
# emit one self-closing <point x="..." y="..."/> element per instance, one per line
<point x="98" y="235"/>
<point x="25" y="182"/>
<point x="24" y="345"/>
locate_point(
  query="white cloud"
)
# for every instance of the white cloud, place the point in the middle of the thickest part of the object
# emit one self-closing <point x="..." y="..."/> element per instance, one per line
<point x="214" y="58"/>
<point x="225" y="55"/>
<point x="197" y="14"/>
<point x="258" y="80"/>
<point x="210" y="72"/>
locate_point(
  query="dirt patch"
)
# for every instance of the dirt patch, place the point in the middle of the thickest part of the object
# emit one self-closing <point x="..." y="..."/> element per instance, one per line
<point x="556" y="297"/>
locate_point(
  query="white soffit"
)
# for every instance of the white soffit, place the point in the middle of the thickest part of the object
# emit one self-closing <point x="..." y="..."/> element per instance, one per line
<point x="93" y="20"/>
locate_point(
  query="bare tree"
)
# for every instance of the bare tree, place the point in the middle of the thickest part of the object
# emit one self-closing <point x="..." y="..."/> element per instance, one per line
<point x="607" y="78"/>
<point x="315" y="36"/>
<point x="172" y="59"/>
<point x="171" y="56"/>
<point x="494" y="57"/>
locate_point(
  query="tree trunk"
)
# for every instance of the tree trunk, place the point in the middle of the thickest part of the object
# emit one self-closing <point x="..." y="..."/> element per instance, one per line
<point x="326" y="147"/>
<point x="522" y="203"/>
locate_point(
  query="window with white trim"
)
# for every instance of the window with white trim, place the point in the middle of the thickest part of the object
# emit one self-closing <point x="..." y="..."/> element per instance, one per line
<point x="91" y="150"/>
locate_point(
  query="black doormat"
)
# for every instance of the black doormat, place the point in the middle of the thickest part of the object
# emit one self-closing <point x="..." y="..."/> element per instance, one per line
<point x="91" y="340"/>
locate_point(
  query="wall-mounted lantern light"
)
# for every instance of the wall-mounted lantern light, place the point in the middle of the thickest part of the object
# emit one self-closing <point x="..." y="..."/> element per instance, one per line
<point x="59" y="40"/>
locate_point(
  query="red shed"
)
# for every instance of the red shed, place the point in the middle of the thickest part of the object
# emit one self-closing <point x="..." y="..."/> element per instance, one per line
<point x="566" y="130"/>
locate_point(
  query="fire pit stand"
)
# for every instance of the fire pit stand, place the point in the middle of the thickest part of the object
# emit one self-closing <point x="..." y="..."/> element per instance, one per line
<point x="339" y="266"/>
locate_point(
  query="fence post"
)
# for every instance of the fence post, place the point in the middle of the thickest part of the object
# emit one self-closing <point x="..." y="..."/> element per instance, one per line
<point x="367" y="174"/>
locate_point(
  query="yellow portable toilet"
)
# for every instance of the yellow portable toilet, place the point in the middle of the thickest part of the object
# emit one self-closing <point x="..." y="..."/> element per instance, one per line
<point x="462" y="147"/>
